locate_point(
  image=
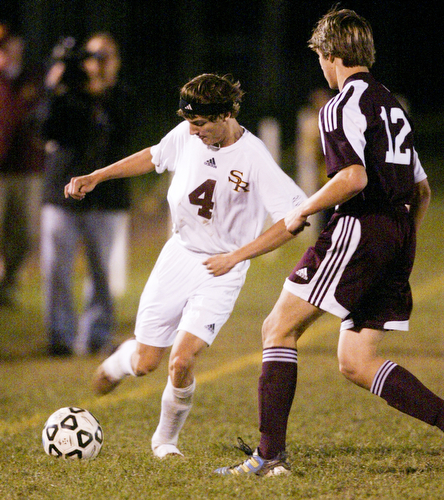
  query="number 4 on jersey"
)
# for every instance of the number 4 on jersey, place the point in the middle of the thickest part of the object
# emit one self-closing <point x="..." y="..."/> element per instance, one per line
<point x="203" y="196"/>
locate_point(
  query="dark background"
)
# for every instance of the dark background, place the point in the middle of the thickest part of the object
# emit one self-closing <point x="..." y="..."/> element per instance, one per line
<point x="263" y="43"/>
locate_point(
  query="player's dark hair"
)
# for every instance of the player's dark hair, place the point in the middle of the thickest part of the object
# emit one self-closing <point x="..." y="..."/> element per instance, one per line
<point x="344" y="34"/>
<point x="219" y="95"/>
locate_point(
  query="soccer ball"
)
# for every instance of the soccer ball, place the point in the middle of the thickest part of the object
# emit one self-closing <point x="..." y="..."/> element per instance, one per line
<point x="72" y="433"/>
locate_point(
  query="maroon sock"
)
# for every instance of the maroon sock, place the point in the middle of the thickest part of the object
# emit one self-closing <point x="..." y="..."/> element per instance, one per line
<point x="277" y="385"/>
<point x="406" y="393"/>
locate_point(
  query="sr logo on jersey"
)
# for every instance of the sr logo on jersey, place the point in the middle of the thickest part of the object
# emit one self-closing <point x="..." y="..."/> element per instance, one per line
<point x="236" y="178"/>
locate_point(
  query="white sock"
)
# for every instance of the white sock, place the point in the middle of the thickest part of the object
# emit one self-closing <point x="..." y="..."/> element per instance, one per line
<point x="176" y="405"/>
<point x="118" y="365"/>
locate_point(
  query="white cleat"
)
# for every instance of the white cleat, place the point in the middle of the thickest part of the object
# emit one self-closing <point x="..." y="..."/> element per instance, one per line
<point x="163" y="450"/>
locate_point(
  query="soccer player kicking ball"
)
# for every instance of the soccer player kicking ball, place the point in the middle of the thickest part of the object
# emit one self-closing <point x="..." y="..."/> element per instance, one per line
<point x="359" y="268"/>
<point x="225" y="182"/>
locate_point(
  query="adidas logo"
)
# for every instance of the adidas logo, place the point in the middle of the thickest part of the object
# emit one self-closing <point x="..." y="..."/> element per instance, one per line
<point x="189" y="107"/>
<point x="211" y="163"/>
<point x="210" y="327"/>
<point x="302" y="273"/>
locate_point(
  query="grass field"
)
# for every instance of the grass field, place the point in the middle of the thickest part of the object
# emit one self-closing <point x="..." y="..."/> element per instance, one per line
<point x="343" y="442"/>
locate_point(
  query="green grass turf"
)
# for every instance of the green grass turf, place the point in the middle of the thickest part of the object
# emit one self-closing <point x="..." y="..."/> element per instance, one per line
<point x="343" y="442"/>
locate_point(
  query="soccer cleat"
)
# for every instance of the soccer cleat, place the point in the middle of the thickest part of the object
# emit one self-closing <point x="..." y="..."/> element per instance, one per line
<point x="165" y="450"/>
<point x="162" y="449"/>
<point x="257" y="465"/>
<point x="103" y="383"/>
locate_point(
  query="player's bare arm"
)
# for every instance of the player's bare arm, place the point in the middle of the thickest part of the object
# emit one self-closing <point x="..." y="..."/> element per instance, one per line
<point x="137" y="164"/>
<point x="420" y="202"/>
<point x="268" y="241"/>
<point x="346" y="184"/>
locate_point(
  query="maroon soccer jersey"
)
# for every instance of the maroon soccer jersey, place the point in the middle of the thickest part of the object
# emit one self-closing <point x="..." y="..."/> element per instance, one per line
<point x="365" y="125"/>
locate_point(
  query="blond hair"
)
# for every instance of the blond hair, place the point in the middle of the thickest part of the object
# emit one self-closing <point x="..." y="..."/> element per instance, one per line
<point x="346" y="35"/>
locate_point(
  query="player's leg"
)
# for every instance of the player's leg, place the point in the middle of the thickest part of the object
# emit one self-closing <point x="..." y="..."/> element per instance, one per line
<point x="289" y="318"/>
<point x="132" y="358"/>
<point x="360" y="363"/>
<point x="358" y="355"/>
<point x="310" y="287"/>
<point x="180" y="296"/>
<point x="177" y="398"/>
<point x="209" y="305"/>
<point x="184" y="353"/>
<point x="160" y="310"/>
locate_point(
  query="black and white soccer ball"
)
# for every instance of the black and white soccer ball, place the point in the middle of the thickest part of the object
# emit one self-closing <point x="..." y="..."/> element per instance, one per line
<point x="72" y="433"/>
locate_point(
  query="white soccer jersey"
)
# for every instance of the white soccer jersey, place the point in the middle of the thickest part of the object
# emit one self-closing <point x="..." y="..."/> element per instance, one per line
<point x="219" y="199"/>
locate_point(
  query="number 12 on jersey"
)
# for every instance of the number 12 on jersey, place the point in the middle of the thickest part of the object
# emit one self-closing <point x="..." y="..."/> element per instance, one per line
<point x="394" y="153"/>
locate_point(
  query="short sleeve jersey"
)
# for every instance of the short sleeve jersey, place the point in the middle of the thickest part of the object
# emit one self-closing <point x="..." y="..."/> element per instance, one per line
<point x="219" y="199"/>
<point x="365" y="125"/>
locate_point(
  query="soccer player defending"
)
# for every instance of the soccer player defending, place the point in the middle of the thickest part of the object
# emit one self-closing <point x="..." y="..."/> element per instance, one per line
<point x="359" y="267"/>
<point x="225" y="182"/>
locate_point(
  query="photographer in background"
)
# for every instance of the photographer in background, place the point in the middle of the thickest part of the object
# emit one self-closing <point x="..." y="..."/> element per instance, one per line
<point x="86" y="121"/>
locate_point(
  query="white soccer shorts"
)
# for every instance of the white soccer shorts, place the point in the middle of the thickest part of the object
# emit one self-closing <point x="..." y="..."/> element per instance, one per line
<point x="181" y="294"/>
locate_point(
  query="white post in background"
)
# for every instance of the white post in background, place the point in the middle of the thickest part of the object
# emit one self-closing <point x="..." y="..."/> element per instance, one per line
<point x="309" y="158"/>
<point x="118" y="264"/>
<point x="306" y="160"/>
<point x="269" y="132"/>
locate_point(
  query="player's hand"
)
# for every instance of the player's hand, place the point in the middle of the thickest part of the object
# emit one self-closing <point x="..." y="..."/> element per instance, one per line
<point x="79" y="186"/>
<point x="295" y="222"/>
<point x="220" y="264"/>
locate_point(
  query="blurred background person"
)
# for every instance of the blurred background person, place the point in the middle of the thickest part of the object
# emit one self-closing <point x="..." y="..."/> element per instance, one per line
<point x="86" y="120"/>
<point x="21" y="158"/>
<point x="103" y="72"/>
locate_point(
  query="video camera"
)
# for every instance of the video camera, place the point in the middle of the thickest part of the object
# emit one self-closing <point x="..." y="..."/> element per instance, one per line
<point x="67" y="51"/>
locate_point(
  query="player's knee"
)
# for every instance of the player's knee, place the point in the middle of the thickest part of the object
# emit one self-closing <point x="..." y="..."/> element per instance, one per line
<point x="348" y="365"/>
<point x="271" y="333"/>
<point x="353" y="370"/>
<point x="141" y="365"/>
<point x="275" y="333"/>
<point x="179" y="366"/>
<point x="348" y="370"/>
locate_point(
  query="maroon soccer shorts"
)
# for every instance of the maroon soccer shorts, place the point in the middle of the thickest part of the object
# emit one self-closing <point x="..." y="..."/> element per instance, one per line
<point x="359" y="270"/>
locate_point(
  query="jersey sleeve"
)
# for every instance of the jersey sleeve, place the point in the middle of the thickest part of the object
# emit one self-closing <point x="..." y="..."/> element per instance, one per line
<point x="165" y="154"/>
<point x="279" y="193"/>
<point x="418" y="171"/>
<point x="342" y="127"/>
